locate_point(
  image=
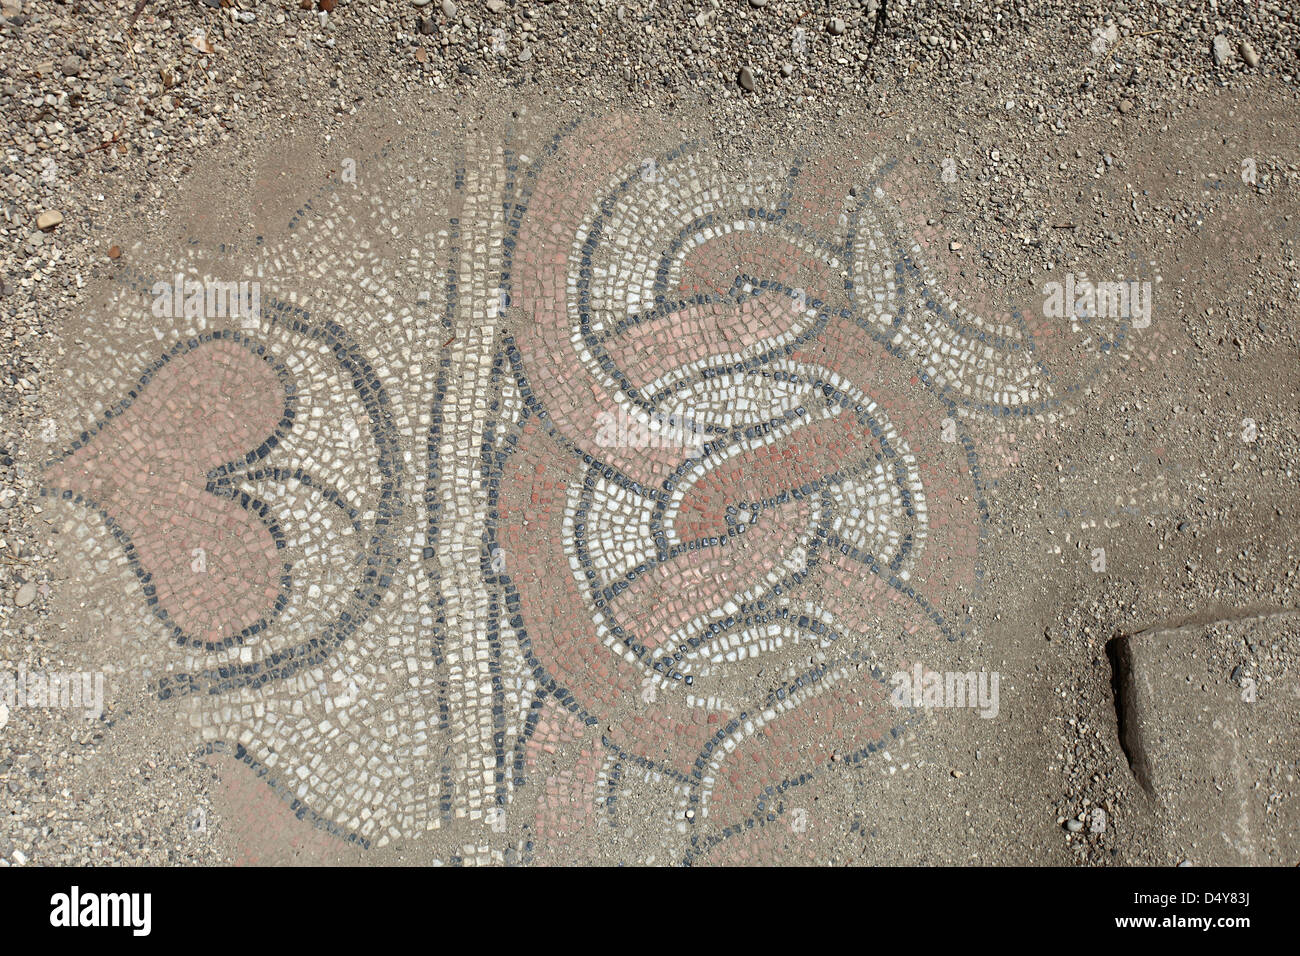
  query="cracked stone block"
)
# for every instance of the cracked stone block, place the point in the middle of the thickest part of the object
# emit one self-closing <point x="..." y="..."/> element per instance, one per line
<point x="1209" y="716"/>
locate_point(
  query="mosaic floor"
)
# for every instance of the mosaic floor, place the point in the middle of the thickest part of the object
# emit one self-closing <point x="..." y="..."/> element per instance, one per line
<point x="557" y="502"/>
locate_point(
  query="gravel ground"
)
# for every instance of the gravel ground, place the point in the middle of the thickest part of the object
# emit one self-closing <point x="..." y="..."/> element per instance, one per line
<point x="107" y="108"/>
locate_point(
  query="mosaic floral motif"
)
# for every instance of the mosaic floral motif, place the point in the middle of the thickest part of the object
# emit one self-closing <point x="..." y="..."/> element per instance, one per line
<point x="158" y="468"/>
<point x="597" y="487"/>
<point x="825" y="508"/>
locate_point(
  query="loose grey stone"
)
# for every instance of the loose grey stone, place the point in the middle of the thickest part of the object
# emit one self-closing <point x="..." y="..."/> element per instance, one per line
<point x="836" y="26"/>
<point x="449" y="7"/>
<point x="72" y="66"/>
<point x="1074" y="826"/>
<point x="1248" y="54"/>
<point x="1222" y="50"/>
<point x="746" y="78"/>
<point x="26" y="595"/>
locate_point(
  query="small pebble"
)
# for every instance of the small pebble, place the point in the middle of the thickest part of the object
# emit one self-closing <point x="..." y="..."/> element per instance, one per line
<point x="836" y="26"/>
<point x="1222" y="50"/>
<point x="746" y="78"/>
<point x="26" y="595"/>
<point x="1248" y="54"/>
<point x="49" y="219"/>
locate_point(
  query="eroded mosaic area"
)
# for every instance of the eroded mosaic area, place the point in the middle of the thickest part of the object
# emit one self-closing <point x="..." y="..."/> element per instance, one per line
<point x="568" y="499"/>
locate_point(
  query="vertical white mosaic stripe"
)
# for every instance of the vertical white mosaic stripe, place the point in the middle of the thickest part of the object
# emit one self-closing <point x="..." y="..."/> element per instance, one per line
<point x="463" y="493"/>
